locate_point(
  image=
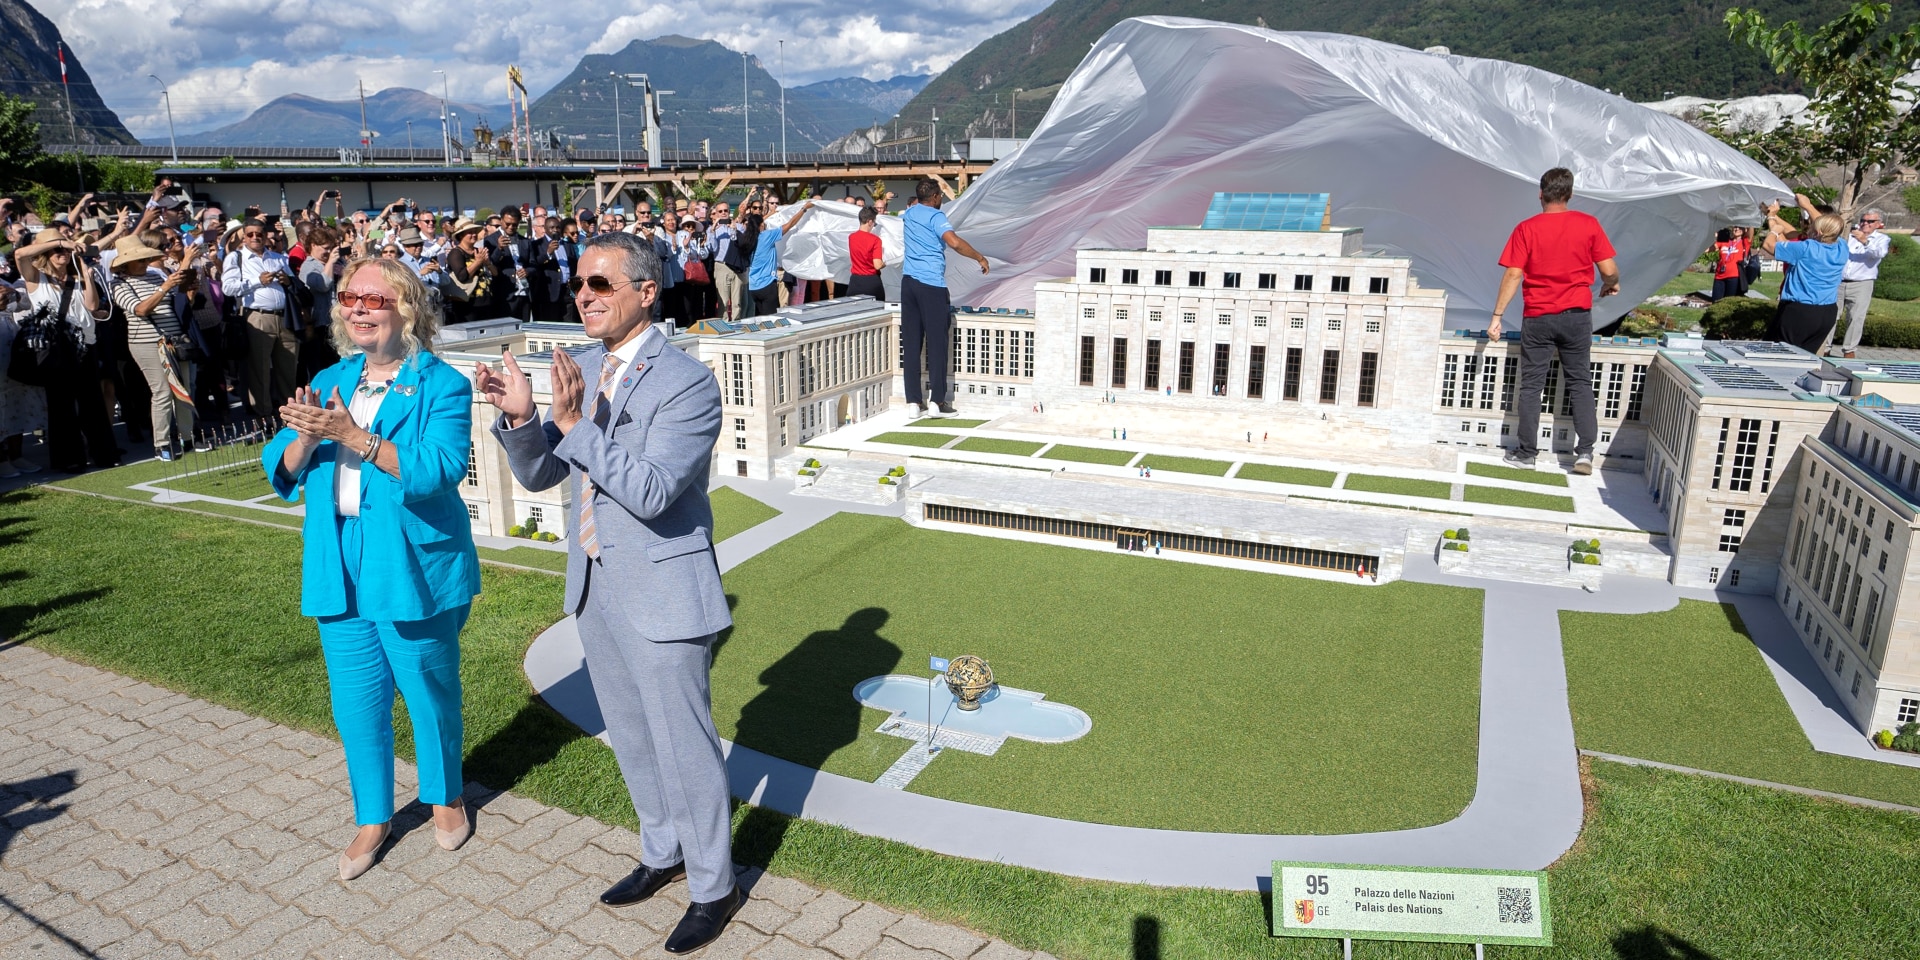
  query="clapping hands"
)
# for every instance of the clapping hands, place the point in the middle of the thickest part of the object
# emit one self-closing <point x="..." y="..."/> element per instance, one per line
<point x="315" y="421"/>
<point x="508" y="390"/>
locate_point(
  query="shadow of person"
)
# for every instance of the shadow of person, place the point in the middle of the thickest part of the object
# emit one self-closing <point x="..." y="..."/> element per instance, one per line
<point x="25" y="803"/>
<point x="17" y="620"/>
<point x="1653" y="943"/>
<point x="805" y="714"/>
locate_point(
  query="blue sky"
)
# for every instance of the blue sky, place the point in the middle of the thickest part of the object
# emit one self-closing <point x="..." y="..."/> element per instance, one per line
<point x="224" y="58"/>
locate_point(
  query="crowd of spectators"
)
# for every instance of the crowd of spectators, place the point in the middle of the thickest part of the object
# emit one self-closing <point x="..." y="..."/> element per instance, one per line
<point x="180" y="320"/>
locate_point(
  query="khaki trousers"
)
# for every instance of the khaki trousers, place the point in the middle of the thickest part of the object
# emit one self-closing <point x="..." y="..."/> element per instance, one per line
<point x="273" y="355"/>
<point x="168" y="410"/>
<point x="732" y="288"/>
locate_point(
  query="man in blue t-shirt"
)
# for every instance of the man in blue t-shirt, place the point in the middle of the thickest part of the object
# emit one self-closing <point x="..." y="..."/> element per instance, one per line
<point x="763" y="274"/>
<point x="926" y="315"/>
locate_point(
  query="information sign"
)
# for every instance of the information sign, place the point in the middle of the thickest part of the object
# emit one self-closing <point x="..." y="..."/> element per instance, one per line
<point x="1411" y="903"/>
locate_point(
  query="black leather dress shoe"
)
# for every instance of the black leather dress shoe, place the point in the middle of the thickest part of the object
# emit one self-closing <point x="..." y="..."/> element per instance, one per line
<point x="642" y="883"/>
<point x="704" y="922"/>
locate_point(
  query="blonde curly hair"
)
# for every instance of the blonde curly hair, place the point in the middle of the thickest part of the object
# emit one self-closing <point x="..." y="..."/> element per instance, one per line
<point x="420" y="319"/>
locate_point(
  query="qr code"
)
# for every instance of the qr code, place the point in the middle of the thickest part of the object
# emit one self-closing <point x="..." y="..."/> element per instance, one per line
<point x="1516" y="905"/>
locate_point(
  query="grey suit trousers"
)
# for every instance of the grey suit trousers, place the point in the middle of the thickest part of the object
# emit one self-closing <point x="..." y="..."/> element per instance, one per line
<point x="656" y="700"/>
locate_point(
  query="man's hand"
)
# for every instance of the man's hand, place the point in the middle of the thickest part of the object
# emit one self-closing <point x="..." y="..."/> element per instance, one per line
<point x="1610" y="287"/>
<point x="1493" y="328"/>
<point x="569" y="389"/>
<point x="510" y="393"/>
<point x="982" y="261"/>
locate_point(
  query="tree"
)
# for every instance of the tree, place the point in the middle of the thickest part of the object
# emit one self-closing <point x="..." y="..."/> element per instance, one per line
<point x="1852" y="70"/>
<point x="19" y="140"/>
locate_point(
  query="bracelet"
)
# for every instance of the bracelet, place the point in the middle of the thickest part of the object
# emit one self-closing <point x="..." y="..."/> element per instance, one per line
<point x="373" y="447"/>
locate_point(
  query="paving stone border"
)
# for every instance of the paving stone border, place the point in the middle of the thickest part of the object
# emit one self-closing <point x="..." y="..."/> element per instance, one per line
<point x="139" y="822"/>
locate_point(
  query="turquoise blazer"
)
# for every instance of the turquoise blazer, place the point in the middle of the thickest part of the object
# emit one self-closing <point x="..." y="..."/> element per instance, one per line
<point x="417" y="556"/>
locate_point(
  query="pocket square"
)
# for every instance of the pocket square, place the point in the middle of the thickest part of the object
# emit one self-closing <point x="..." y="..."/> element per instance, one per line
<point x="625" y="418"/>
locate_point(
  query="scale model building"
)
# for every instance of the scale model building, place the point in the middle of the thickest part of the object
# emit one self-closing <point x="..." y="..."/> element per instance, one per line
<point x="1778" y="472"/>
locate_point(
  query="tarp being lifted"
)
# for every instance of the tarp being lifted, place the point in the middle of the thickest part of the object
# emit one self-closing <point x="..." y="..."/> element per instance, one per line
<point x="1435" y="157"/>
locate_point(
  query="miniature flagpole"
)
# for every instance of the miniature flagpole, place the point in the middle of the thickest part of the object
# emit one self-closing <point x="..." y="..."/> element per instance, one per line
<point x="939" y="666"/>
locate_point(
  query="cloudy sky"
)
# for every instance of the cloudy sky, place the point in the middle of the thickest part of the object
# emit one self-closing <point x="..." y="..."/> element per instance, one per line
<point x="223" y="58"/>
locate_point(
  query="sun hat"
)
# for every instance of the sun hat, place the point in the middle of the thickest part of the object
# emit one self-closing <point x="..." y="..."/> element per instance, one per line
<point x="129" y="252"/>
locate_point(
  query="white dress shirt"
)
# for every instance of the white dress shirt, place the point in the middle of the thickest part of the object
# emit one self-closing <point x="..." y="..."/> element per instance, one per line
<point x="243" y="279"/>
<point x="346" y="470"/>
<point x="1863" y="259"/>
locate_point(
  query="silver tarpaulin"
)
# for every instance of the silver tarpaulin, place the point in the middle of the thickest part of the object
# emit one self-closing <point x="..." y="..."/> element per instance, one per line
<point x="1435" y="157"/>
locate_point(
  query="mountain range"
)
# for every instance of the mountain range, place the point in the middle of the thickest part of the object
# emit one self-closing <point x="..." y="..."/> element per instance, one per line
<point x="30" y="69"/>
<point x="708" y="81"/>
<point x="297" y="120"/>
<point x="1647" y="50"/>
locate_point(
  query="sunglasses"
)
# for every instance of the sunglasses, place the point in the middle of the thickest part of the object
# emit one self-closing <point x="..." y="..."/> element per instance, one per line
<point x="372" y="301"/>
<point x="252" y="235"/>
<point x="601" y="286"/>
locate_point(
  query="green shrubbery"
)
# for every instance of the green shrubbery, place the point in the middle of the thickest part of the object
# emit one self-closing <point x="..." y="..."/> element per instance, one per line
<point x="1900" y="271"/>
<point x="1456" y="545"/>
<point x="516" y="531"/>
<point x="1907" y="739"/>
<point x="1738" y="318"/>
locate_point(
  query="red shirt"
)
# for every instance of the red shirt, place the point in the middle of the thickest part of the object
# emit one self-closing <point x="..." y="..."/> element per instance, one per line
<point x="1557" y="252"/>
<point x="1731" y="254"/>
<point x="864" y="247"/>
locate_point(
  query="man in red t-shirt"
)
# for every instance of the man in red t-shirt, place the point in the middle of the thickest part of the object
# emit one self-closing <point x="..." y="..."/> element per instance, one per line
<point x="1551" y="257"/>
<point x="864" y="248"/>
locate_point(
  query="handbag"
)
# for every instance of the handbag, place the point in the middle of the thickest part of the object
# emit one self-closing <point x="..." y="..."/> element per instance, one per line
<point x="696" y="272"/>
<point x="45" y="348"/>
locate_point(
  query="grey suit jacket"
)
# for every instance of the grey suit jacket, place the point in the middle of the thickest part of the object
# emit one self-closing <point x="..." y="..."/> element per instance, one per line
<point x="649" y="469"/>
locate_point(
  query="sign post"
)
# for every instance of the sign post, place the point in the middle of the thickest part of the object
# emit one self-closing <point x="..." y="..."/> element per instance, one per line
<point x="1348" y="902"/>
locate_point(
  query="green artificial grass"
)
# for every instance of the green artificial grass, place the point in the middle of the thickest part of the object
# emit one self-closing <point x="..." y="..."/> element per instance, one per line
<point x="914" y="439"/>
<point x="1670" y="867"/>
<point x="1116" y="458"/>
<point x="552" y="561"/>
<point x="1498" y="472"/>
<point x="1012" y="448"/>
<point x="1272" y="473"/>
<point x="1686" y="686"/>
<point x="1180" y="741"/>
<point x="1518" y="498"/>
<point x="949" y="423"/>
<point x="1400" y="485"/>
<point x="1210" y="468"/>
<point x="734" y="511"/>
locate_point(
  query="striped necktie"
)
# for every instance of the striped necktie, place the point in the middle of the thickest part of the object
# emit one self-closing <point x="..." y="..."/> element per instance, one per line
<point x="589" y="540"/>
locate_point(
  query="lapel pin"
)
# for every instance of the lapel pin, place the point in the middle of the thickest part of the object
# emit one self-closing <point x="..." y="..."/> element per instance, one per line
<point x="404" y="389"/>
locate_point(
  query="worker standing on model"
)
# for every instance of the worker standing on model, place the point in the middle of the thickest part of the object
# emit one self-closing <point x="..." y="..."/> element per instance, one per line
<point x="1551" y="258"/>
<point x="926" y="313"/>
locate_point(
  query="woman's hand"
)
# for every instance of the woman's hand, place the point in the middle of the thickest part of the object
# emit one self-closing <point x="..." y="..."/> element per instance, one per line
<point x="315" y="422"/>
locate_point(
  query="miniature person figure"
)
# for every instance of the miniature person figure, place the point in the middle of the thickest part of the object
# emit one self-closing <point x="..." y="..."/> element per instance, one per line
<point x="1553" y="256"/>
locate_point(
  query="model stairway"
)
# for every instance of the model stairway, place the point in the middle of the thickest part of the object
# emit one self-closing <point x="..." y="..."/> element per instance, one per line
<point x="851" y="481"/>
<point x="1506" y="555"/>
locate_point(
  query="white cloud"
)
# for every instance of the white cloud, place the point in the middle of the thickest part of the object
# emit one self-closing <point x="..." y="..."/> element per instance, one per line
<point x="224" y="58"/>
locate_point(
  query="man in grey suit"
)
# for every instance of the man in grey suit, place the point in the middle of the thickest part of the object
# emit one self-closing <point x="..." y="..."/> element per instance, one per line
<point x="634" y="423"/>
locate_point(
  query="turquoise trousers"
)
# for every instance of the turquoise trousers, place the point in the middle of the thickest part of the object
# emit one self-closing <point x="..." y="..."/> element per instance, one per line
<point x="366" y="661"/>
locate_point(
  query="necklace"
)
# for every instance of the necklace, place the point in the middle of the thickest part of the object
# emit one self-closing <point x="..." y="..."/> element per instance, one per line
<point x="371" y="390"/>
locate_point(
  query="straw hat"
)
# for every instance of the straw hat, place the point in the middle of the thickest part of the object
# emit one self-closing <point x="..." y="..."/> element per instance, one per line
<point x="464" y="225"/>
<point x="129" y="252"/>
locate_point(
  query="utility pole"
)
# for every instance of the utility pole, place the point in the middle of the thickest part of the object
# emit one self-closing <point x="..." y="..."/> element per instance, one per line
<point x="619" y="158"/>
<point x="73" y="128"/>
<point x="409" y="141"/>
<point x="933" y="141"/>
<point x="446" y="124"/>
<point x="366" y="134"/>
<point x="1016" y="112"/>
<point x="783" y="102"/>
<point x="746" y="107"/>
<point x="171" y="143"/>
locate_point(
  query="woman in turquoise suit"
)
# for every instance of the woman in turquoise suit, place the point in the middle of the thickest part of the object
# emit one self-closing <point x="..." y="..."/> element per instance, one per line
<point x="378" y="445"/>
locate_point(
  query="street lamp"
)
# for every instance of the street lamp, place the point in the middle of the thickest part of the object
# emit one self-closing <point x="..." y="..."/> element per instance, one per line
<point x="933" y="141"/>
<point x="783" y="102"/>
<point x="1017" y="91"/>
<point x="746" y="108"/>
<point x="409" y="141"/>
<point x="446" y="123"/>
<point x="169" y="99"/>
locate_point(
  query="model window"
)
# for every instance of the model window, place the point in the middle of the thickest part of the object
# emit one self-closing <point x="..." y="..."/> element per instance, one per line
<point x="1163" y="278"/>
<point x="1097" y="275"/>
<point x="1269" y="281"/>
<point x="1376" y="284"/>
<point x="1303" y="281"/>
<point x="1129" y="276"/>
<point x="1230" y="280"/>
<point x="1196" y="278"/>
<point x="1340" y="284"/>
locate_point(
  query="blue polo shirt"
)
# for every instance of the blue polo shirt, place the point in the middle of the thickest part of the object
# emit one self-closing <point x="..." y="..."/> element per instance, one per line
<point x="926" y="252"/>
<point x="766" y="259"/>
<point x="1817" y="267"/>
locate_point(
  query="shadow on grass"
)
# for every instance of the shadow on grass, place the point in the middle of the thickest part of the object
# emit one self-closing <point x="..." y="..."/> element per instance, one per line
<point x="14" y="618"/>
<point x="1146" y="938"/>
<point x="1653" y="943"/>
<point x="806" y="714"/>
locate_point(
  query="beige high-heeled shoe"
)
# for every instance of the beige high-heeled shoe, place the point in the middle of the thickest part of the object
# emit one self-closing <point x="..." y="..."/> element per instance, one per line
<point x="454" y="839"/>
<point x="352" y="867"/>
